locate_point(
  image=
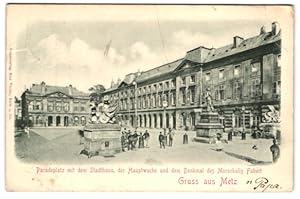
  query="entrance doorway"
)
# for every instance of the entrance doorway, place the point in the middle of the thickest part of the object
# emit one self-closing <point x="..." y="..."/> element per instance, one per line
<point x="66" y="121"/>
<point x="58" y="121"/>
<point x="50" y="120"/>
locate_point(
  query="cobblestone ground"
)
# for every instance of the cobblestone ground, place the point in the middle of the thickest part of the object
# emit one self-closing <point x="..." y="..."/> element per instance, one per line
<point x="61" y="145"/>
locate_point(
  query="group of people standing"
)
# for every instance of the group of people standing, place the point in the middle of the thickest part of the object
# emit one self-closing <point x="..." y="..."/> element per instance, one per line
<point x="129" y="139"/>
<point x="163" y="138"/>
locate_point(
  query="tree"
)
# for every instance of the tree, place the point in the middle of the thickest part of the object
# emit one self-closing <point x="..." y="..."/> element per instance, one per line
<point x="96" y="92"/>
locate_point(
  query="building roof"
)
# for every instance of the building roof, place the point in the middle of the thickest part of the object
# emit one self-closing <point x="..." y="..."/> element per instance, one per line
<point x="204" y="55"/>
<point x="158" y="71"/>
<point x="247" y="44"/>
<point x="37" y="89"/>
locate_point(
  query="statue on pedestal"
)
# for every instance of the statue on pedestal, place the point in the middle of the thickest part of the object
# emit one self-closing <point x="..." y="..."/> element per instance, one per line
<point x="102" y="134"/>
<point x="102" y="113"/>
<point x="208" y="99"/>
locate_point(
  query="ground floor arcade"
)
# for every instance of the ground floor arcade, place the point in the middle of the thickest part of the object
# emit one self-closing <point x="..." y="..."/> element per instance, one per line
<point x="45" y="120"/>
<point x="248" y="116"/>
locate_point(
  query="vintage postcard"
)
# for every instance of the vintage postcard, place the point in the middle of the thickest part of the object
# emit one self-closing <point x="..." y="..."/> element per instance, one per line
<point x="149" y="98"/>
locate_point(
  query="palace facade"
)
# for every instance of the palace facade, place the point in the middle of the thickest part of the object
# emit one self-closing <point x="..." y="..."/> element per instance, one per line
<point x="44" y="105"/>
<point x="243" y="78"/>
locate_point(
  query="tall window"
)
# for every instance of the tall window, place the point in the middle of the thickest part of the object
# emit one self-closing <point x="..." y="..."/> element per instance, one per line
<point x="276" y="87"/>
<point x="255" y="67"/>
<point x="173" y="82"/>
<point x="66" y="107"/>
<point x="183" y="96"/>
<point x="30" y="106"/>
<point x="237" y="70"/>
<point x="221" y="73"/>
<point x="139" y="102"/>
<point x="207" y="76"/>
<point x="159" y="86"/>
<point x="58" y="106"/>
<point x="154" y="101"/>
<point x="255" y="88"/>
<point x="220" y="93"/>
<point x="154" y="87"/>
<point x="50" y="107"/>
<point x="167" y="85"/>
<point x="159" y="100"/>
<point x="37" y="106"/>
<point x="279" y="60"/>
<point x="237" y="90"/>
<point x="193" y="79"/>
<point x="125" y="105"/>
<point x="182" y="80"/>
<point x="192" y="94"/>
<point x="121" y="104"/>
<point x="172" y="98"/>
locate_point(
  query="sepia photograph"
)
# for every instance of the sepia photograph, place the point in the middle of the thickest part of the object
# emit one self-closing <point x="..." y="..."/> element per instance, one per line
<point x="131" y="91"/>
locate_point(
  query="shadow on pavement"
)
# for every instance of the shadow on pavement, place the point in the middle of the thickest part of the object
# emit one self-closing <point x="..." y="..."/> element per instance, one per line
<point x="248" y="159"/>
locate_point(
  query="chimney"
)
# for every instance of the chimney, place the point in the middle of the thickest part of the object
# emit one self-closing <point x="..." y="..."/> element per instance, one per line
<point x="70" y="89"/>
<point x="112" y="84"/>
<point x="275" y="28"/>
<point x="237" y="41"/>
<point x="262" y="30"/>
<point x="43" y="85"/>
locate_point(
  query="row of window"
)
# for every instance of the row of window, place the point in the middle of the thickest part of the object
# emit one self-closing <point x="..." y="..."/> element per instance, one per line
<point x="148" y="102"/>
<point x="187" y="96"/>
<point x="254" y="66"/>
<point x="38" y="106"/>
<point x="147" y="89"/>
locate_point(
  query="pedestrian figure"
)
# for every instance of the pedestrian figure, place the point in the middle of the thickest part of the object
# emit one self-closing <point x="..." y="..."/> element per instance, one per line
<point x="129" y="141"/>
<point x="185" y="138"/>
<point x="165" y="138"/>
<point x="171" y="135"/>
<point x="123" y="140"/>
<point x="141" y="141"/>
<point x="219" y="145"/>
<point x="81" y="134"/>
<point x="27" y="131"/>
<point x="275" y="151"/>
<point x="161" y="140"/>
<point x="146" y="138"/>
<point x="278" y="137"/>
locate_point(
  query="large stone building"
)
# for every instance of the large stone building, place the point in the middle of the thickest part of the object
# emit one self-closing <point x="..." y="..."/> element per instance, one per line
<point x="243" y="78"/>
<point x="44" y="105"/>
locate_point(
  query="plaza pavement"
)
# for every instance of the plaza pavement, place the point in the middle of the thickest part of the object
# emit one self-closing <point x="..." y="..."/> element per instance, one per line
<point x="61" y="145"/>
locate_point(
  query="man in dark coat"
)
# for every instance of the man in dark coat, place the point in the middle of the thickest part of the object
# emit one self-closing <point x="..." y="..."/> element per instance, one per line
<point x="161" y="139"/>
<point x="171" y="135"/>
<point x="141" y="141"/>
<point x="123" y="141"/>
<point x="185" y="138"/>
<point x="275" y="151"/>
<point x="146" y="138"/>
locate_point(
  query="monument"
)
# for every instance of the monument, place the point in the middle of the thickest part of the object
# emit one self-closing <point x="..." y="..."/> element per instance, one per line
<point x="209" y="125"/>
<point x="102" y="134"/>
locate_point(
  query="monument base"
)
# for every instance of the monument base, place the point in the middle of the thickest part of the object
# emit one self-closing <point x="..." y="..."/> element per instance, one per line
<point x="102" y="139"/>
<point x="208" y="128"/>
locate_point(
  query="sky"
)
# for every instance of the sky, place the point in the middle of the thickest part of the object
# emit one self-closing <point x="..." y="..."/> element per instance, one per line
<point x="71" y="50"/>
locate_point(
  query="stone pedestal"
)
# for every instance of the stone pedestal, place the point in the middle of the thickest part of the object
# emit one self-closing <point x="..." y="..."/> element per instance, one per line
<point x="208" y="127"/>
<point x="102" y="139"/>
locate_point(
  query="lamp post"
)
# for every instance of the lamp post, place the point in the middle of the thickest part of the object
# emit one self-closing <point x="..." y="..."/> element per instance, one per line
<point x="165" y="105"/>
<point x="135" y="104"/>
<point x="243" y="133"/>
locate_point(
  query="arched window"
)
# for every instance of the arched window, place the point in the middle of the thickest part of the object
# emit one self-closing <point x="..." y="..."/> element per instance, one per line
<point x="58" y="107"/>
<point x="66" y="107"/>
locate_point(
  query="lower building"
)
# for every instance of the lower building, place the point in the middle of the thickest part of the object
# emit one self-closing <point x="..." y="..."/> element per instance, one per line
<point x="44" y="105"/>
